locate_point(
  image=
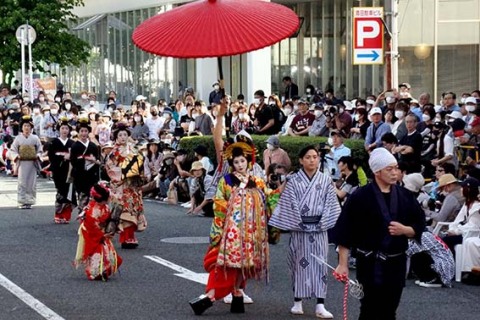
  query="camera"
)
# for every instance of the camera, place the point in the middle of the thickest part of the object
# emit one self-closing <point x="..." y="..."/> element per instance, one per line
<point x="275" y="177"/>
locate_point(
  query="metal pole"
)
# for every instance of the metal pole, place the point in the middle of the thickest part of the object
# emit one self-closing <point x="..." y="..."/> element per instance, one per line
<point x="30" y="63"/>
<point x="435" y="52"/>
<point x="394" y="50"/>
<point x="22" y="44"/>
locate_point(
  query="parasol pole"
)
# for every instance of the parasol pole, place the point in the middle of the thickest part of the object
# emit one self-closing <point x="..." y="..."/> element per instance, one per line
<point x="228" y="115"/>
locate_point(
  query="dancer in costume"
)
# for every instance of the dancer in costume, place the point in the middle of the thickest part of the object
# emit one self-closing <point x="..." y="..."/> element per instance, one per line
<point x="26" y="152"/>
<point x="239" y="236"/>
<point x="85" y="159"/>
<point x="59" y="156"/>
<point x="308" y="208"/>
<point x="95" y="249"/>
<point x="125" y="168"/>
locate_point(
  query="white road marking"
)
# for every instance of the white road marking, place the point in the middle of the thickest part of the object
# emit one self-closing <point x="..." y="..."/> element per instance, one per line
<point x="29" y="300"/>
<point x="201" y="278"/>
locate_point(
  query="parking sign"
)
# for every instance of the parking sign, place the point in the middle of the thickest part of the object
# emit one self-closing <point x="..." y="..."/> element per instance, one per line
<point x="368" y="35"/>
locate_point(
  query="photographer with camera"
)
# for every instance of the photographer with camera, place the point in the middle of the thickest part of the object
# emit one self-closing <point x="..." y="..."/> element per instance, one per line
<point x="277" y="176"/>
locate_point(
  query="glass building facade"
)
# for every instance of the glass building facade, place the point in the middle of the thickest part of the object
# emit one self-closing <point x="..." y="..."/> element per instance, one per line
<point x="438" y="46"/>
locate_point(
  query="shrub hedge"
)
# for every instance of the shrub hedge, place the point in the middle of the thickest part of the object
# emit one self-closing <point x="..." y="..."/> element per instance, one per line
<point x="292" y="145"/>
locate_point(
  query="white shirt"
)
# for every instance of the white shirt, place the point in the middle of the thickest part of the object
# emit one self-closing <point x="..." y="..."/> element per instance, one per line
<point x="154" y="125"/>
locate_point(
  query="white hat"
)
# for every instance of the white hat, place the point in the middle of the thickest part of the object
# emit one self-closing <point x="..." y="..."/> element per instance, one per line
<point x="375" y="110"/>
<point x="348" y="105"/>
<point x="92" y="110"/>
<point x="370" y="101"/>
<point x="140" y="97"/>
<point x="380" y="158"/>
<point x="455" y="115"/>
<point x="354" y="102"/>
<point x="414" y="101"/>
<point x="471" y="100"/>
<point x="413" y="182"/>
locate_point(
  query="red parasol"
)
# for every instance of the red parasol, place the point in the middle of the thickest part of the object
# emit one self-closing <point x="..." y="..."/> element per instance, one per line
<point x="215" y="28"/>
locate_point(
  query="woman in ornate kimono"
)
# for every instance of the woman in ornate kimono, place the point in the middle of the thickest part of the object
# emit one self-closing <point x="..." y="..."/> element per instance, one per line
<point x="308" y="208"/>
<point x="26" y="152"/>
<point x="95" y="249"/>
<point x="125" y="168"/>
<point x="239" y="235"/>
<point x="85" y="159"/>
<point x="59" y="156"/>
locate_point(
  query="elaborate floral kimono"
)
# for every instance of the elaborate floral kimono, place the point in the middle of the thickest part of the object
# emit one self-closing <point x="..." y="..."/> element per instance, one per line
<point x="125" y="169"/>
<point x="26" y="151"/>
<point x="307" y="208"/>
<point x="239" y="233"/>
<point x="94" y="250"/>
<point x="65" y="197"/>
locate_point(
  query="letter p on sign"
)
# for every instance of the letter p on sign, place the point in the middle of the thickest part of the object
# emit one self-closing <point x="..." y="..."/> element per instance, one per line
<point x="366" y="29"/>
<point x="367" y="35"/>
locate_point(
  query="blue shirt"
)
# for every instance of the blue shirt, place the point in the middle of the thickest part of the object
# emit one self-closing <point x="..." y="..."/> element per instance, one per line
<point x="333" y="157"/>
<point x="375" y="133"/>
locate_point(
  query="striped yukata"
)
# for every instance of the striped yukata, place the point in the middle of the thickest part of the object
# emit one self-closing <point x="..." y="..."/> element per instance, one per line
<point x="307" y="208"/>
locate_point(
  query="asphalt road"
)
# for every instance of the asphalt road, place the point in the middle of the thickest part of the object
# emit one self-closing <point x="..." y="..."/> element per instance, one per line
<point x="36" y="256"/>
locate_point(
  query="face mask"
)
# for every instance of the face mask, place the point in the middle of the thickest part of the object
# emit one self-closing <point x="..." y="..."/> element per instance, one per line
<point x="10" y="111"/>
<point x="241" y="116"/>
<point x="270" y="147"/>
<point x="137" y="119"/>
<point x="15" y="105"/>
<point x="168" y="161"/>
<point x="287" y="111"/>
<point x="167" y="141"/>
<point x="308" y="91"/>
<point x="256" y="101"/>
<point x="330" y="141"/>
<point x="341" y="110"/>
<point x="357" y="117"/>
<point x="68" y="106"/>
<point x="54" y="111"/>
<point x="41" y="99"/>
<point x="154" y="113"/>
<point x="84" y="96"/>
<point x="145" y="153"/>
<point x="58" y="99"/>
<point x="470" y="108"/>
<point x="271" y="103"/>
<point x="463" y="100"/>
<point x="215" y="113"/>
<point x="399" y="114"/>
<point x="92" y="103"/>
<point x="36" y="110"/>
<point x="318" y="113"/>
<point x="295" y="107"/>
<point x="216" y="87"/>
<point x="390" y="100"/>
<point x="110" y="109"/>
<point x="309" y="95"/>
<point x="425" y="117"/>
<point x="194" y="115"/>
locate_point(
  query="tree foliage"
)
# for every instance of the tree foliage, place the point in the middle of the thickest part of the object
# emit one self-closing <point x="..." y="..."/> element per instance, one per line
<point x="54" y="44"/>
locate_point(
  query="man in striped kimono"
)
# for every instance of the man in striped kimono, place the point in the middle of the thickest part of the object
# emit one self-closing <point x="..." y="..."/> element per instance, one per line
<point x="308" y="208"/>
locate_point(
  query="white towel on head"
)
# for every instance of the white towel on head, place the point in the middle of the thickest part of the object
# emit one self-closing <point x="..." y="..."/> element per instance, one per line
<point x="380" y="158"/>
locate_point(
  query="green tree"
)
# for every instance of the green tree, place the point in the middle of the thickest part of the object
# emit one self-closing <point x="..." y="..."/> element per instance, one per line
<point x="54" y="43"/>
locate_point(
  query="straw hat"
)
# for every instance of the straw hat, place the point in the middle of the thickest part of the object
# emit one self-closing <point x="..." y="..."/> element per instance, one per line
<point x="446" y="179"/>
<point x="197" y="165"/>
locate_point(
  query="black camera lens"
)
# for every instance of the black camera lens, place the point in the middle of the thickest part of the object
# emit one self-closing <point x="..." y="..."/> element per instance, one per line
<point x="274" y="177"/>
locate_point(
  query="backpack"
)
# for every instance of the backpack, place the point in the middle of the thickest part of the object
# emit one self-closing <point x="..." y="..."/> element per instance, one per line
<point x="278" y="117"/>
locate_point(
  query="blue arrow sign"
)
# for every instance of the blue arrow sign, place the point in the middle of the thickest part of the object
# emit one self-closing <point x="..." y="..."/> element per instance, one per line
<point x="374" y="55"/>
